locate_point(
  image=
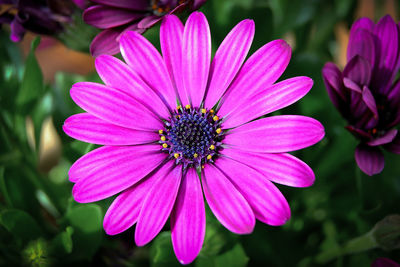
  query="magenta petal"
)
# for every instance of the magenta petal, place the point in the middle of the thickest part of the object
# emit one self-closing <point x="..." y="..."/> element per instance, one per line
<point x="369" y="159"/>
<point x="277" y="96"/>
<point x="384" y="139"/>
<point x="358" y="69"/>
<point x="276" y="134"/>
<point x="279" y="168"/>
<point x="394" y="146"/>
<point x="171" y="34"/>
<point x="226" y="202"/>
<point x="148" y="22"/>
<point x="104" y="17"/>
<point x="361" y="42"/>
<point x="384" y="262"/>
<point x="369" y="100"/>
<point x="105" y="43"/>
<point x="146" y="61"/>
<point x="267" y="202"/>
<point x="110" y="170"/>
<point x="125" y="209"/>
<point x="158" y="203"/>
<point x="188" y="219"/>
<point x="118" y="75"/>
<point x="260" y="71"/>
<point x="228" y="59"/>
<point x="350" y="84"/>
<point x="114" y="106"/>
<point x="88" y="128"/>
<point x="127" y="4"/>
<point x="196" y="56"/>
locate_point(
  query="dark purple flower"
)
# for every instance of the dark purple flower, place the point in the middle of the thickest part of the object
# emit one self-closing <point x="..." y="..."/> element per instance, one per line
<point x="38" y="16"/>
<point x="384" y="262"/>
<point x="119" y="16"/>
<point x="367" y="93"/>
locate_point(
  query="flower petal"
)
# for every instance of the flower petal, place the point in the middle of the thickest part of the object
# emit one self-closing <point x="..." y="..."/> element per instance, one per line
<point x="279" y="168"/>
<point x="171" y="34"/>
<point x="384" y="139"/>
<point x="158" y="203"/>
<point x="358" y="70"/>
<point x="369" y="100"/>
<point x="146" y="61"/>
<point x="104" y="17"/>
<point x="126" y="4"/>
<point x="148" y="21"/>
<point x="105" y="43"/>
<point x="273" y="98"/>
<point x="114" y="106"/>
<point x="125" y="209"/>
<point x="88" y="128"/>
<point x="276" y="134"/>
<point x="225" y="201"/>
<point x="228" y="59"/>
<point x="196" y="56"/>
<point x="267" y="202"/>
<point x="394" y="146"/>
<point x="260" y="71"/>
<point x="361" y="42"/>
<point x="369" y="159"/>
<point x="188" y="219"/>
<point x="118" y="75"/>
<point x="110" y="170"/>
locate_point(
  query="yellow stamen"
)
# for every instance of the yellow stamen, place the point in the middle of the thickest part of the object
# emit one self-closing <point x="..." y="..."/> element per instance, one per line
<point x="209" y="157"/>
<point x="203" y="110"/>
<point x="176" y="155"/>
<point x="218" y="130"/>
<point x="187" y="106"/>
<point x="215" y="118"/>
<point x="178" y="107"/>
<point x="212" y="147"/>
<point x="211" y="111"/>
<point x="202" y="166"/>
<point x="160" y="131"/>
<point x="164" y="145"/>
<point x="163" y="138"/>
<point x="195" y="155"/>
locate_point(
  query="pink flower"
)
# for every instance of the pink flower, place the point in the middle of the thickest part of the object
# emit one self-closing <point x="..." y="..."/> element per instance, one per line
<point x="153" y="150"/>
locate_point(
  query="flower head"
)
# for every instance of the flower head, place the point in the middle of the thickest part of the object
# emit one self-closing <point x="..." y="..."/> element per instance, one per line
<point x="366" y="93"/>
<point x="116" y="17"/>
<point x="154" y="149"/>
<point x="38" y="16"/>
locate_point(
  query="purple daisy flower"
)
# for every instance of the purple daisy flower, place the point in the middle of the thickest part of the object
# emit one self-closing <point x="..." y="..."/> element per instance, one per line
<point x="154" y="150"/>
<point x="117" y="17"/>
<point x="366" y="93"/>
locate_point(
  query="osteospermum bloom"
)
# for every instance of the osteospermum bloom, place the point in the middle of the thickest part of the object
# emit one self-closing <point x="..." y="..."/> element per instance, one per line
<point x="153" y="148"/>
<point x="116" y="17"/>
<point x="365" y="92"/>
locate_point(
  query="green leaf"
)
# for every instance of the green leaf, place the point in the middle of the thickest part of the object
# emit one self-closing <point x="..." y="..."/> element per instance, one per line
<point x="236" y="257"/>
<point x="161" y="251"/>
<point x="88" y="233"/>
<point x="62" y="244"/>
<point x="20" y="224"/>
<point x="32" y="81"/>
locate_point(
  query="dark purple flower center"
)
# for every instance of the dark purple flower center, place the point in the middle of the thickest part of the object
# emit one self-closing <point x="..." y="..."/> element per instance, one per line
<point x="161" y="7"/>
<point x="192" y="136"/>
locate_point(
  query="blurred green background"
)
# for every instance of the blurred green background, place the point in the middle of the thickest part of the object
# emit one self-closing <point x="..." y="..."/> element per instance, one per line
<point x="41" y="225"/>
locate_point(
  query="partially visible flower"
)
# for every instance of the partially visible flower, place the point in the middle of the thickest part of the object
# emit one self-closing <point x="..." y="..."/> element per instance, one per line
<point x="367" y="93"/>
<point x="38" y="16"/>
<point x="154" y="150"/>
<point x="384" y="262"/>
<point x="116" y="17"/>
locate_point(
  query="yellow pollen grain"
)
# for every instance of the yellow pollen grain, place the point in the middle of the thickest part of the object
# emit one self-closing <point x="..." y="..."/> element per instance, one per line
<point x="163" y="138"/>
<point x="209" y="157"/>
<point x="215" y="118"/>
<point x="212" y="147"/>
<point x="164" y="145"/>
<point x="202" y="166"/>
<point x="218" y="130"/>
<point x="203" y="110"/>
<point x="176" y="155"/>
<point x="211" y="111"/>
<point x="160" y="131"/>
<point x="195" y="155"/>
<point x="187" y="106"/>
<point x="178" y="107"/>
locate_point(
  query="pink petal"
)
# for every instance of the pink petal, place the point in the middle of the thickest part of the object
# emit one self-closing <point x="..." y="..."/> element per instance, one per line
<point x="188" y="219"/>
<point x="171" y="34"/>
<point x="125" y="209"/>
<point x="279" y="168"/>
<point x="277" y="96"/>
<point x="114" y="106"/>
<point x="369" y="159"/>
<point x="196" y="52"/>
<point x="105" y="43"/>
<point x="225" y="201"/>
<point x="145" y="60"/>
<point x="127" y="4"/>
<point x="388" y="137"/>
<point x="110" y="170"/>
<point x="369" y="100"/>
<point x="88" y="128"/>
<point x="260" y="71"/>
<point x="118" y="75"/>
<point x="148" y="21"/>
<point x="104" y="17"/>
<point x="159" y="202"/>
<point x="228" y="59"/>
<point x="276" y="134"/>
<point x="361" y="42"/>
<point x="267" y="202"/>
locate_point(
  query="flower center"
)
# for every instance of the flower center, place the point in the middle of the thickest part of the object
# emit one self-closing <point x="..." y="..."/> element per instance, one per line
<point x="192" y="136"/>
<point x="161" y="7"/>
